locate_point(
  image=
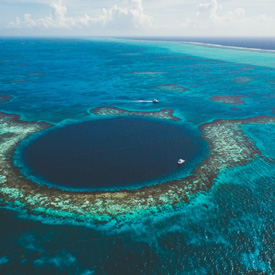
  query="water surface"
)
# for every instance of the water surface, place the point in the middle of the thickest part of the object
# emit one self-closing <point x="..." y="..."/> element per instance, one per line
<point x="227" y="230"/>
<point x="111" y="152"/>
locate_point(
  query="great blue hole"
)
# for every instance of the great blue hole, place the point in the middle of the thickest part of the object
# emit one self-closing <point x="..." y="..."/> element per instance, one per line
<point x="110" y="152"/>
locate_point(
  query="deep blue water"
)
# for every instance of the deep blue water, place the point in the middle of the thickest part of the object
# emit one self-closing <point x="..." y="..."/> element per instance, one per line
<point x="227" y="230"/>
<point x="111" y="152"/>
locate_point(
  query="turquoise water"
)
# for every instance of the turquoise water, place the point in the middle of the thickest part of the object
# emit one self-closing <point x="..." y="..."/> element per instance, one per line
<point x="227" y="230"/>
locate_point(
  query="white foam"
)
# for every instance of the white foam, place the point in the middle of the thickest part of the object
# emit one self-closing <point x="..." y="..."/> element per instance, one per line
<point x="229" y="47"/>
<point x="141" y="101"/>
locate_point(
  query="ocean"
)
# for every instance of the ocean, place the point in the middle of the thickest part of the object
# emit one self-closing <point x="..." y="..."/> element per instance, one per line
<point x="216" y="110"/>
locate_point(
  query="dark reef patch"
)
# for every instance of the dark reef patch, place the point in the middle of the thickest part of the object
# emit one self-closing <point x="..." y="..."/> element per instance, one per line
<point x="35" y="74"/>
<point x="114" y="111"/>
<point x="150" y="74"/>
<point x="172" y="88"/>
<point x="5" y="98"/>
<point x="231" y="100"/>
<point x="235" y="108"/>
<point x="243" y="80"/>
<point x="18" y="80"/>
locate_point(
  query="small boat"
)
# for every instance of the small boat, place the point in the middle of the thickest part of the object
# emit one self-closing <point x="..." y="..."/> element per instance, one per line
<point x="155" y="101"/>
<point x="181" y="161"/>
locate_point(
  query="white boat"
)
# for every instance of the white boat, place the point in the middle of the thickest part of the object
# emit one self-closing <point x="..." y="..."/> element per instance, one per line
<point x="155" y="101"/>
<point x="181" y="161"/>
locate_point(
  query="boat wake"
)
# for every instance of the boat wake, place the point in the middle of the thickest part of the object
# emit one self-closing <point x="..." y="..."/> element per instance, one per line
<point x="142" y="101"/>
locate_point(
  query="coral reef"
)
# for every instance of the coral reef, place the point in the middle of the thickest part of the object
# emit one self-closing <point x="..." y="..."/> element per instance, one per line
<point x="234" y="108"/>
<point x="5" y="98"/>
<point x="35" y="73"/>
<point x="18" y="80"/>
<point x="172" y="88"/>
<point x="150" y="74"/>
<point x="228" y="147"/>
<point x="243" y="80"/>
<point x="232" y="100"/>
<point x="109" y="110"/>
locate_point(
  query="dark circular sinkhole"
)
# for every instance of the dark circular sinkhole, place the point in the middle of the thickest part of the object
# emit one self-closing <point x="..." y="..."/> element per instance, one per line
<point x="110" y="152"/>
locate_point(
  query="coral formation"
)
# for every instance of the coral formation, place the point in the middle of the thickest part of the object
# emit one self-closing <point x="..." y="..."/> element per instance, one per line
<point x="228" y="147"/>
<point x="172" y="88"/>
<point x="5" y="98"/>
<point x="232" y="100"/>
<point x="150" y="74"/>
<point x="109" y="110"/>
<point x="243" y="80"/>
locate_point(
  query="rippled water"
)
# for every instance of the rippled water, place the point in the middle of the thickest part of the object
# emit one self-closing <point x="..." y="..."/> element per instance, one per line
<point x="227" y="230"/>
